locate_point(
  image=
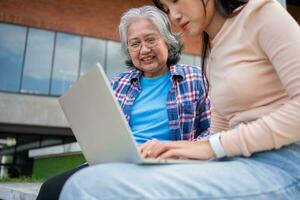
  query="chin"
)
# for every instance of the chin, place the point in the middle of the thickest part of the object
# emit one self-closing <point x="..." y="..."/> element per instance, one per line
<point x="194" y="32"/>
<point x="150" y="65"/>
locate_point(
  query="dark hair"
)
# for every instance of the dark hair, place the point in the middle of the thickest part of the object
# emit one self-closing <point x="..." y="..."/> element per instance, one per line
<point x="227" y="9"/>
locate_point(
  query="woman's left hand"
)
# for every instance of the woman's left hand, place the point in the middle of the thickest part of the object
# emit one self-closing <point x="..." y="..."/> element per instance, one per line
<point x="198" y="150"/>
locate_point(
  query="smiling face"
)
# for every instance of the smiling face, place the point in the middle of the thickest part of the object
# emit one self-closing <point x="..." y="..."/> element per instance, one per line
<point x="147" y="49"/>
<point x="192" y="16"/>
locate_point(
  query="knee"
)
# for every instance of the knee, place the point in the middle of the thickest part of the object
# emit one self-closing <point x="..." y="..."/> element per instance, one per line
<point x="96" y="181"/>
<point x="77" y="186"/>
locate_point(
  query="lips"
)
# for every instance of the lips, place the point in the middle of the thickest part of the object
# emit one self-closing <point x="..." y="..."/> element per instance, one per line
<point x="147" y="59"/>
<point x="184" y="26"/>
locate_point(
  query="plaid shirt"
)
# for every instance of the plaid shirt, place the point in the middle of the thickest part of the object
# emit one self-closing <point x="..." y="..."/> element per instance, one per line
<point x="187" y="105"/>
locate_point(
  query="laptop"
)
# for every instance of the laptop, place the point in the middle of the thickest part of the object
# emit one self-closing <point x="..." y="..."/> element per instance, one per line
<point x="99" y="124"/>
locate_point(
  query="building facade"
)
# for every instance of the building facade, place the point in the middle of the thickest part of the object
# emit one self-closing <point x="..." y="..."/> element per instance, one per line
<point x="45" y="46"/>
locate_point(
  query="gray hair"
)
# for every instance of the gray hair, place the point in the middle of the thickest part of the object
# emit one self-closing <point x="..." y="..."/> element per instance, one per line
<point x="161" y="22"/>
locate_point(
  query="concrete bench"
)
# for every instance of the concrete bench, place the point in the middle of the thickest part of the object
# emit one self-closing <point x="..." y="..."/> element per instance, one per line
<point x="19" y="191"/>
<point x="29" y="191"/>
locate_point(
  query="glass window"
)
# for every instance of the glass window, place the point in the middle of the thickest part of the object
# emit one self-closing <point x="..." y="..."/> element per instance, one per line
<point x="187" y="59"/>
<point x="12" y="44"/>
<point x="38" y="62"/>
<point x="66" y="62"/>
<point x="198" y="61"/>
<point x="115" y="59"/>
<point x="93" y="50"/>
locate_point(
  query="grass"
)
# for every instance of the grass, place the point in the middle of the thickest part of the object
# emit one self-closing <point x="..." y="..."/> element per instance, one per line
<point x="22" y="179"/>
<point x="45" y="168"/>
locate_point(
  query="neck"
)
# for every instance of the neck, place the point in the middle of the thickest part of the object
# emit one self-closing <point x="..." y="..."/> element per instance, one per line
<point x="215" y="25"/>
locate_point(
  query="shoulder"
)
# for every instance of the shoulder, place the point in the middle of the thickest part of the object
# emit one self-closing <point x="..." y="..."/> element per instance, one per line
<point x="259" y="13"/>
<point x="184" y="69"/>
<point x="256" y="6"/>
<point x="191" y="75"/>
<point x="124" y="77"/>
<point x="188" y="73"/>
<point x="265" y="18"/>
<point x="191" y="81"/>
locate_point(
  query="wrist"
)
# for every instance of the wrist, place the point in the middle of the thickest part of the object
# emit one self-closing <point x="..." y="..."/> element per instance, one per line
<point x="216" y="146"/>
<point x="210" y="152"/>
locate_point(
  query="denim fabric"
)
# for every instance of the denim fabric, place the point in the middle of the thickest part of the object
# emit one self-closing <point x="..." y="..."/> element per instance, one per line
<point x="267" y="175"/>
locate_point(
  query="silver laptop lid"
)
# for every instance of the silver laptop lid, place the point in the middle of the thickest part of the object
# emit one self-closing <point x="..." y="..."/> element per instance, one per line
<point x="97" y="120"/>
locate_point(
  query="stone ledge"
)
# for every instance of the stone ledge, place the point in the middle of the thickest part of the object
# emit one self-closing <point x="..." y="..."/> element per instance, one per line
<point x="19" y="191"/>
<point x="58" y="150"/>
<point x="31" y="110"/>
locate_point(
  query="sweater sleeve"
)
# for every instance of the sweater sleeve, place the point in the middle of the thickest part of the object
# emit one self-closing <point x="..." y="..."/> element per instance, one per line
<point x="278" y="36"/>
<point x="218" y="122"/>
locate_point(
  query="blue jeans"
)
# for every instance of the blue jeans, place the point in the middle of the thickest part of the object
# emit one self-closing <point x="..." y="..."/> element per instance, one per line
<point x="267" y="175"/>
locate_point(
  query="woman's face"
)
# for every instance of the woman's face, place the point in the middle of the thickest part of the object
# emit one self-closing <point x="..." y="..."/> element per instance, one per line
<point x="192" y="16"/>
<point x="146" y="47"/>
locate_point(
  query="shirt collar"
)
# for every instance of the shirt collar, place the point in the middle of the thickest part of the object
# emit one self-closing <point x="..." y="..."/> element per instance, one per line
<point x="135" y="75"/>
<point x="177" y="74"/>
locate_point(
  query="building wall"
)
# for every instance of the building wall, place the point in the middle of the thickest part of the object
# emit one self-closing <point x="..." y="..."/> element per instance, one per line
<point x="38" y="65"/>
<point x="31" y="110"/>
<point x="97" y="18"/>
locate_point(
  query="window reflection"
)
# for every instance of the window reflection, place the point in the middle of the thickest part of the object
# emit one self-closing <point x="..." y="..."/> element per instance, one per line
<point x="66" y="63"/>
<point x="115" y="59"/>
<point x="52" y="61"/>
<point x="93" y="51"/>
<point x="198" y="61"/>
<point x="38" y="61"/>
<point x="187" y="59"/>
<point x="12" y="44"/>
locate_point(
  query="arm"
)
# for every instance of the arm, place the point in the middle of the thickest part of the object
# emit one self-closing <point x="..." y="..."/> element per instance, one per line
<point x="202" y="119"/>
<point x="278" y="37"/>
<point x="218" y="122"/>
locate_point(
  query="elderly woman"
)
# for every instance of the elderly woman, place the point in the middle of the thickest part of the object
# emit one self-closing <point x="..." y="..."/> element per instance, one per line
<point x="161" y="99"/>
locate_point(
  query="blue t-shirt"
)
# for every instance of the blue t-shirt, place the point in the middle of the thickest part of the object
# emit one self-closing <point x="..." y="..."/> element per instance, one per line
<point x="149" y="118"/>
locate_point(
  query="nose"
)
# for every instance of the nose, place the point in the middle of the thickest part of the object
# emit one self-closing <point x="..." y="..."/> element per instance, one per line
<point x="174" y="16"/>
<point x="144" y="48"/>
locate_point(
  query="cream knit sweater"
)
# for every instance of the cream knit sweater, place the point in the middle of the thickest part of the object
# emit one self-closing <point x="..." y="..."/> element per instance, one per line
<point x="254" y="72"/>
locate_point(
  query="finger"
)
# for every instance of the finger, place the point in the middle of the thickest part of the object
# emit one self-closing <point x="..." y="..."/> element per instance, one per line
<point x="162" y="147"/>
<point x="186" y="153"/>
<point x="145" y="145"/>
<point x="148" y="148"/>
<point x="142" y="147"/>
<point x="173" y="153"/>
<point x="165" y="146"/>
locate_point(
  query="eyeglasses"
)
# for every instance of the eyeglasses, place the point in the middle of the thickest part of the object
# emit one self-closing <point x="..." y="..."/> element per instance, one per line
<point x="136" y="45"/>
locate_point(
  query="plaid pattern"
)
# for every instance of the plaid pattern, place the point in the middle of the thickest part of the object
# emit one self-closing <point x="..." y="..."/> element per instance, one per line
<point x="187" y="105"/>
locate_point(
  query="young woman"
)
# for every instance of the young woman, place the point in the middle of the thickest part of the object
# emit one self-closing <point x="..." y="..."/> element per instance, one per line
<point x="161" y="99"/>
<point x="251" y="56"/>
